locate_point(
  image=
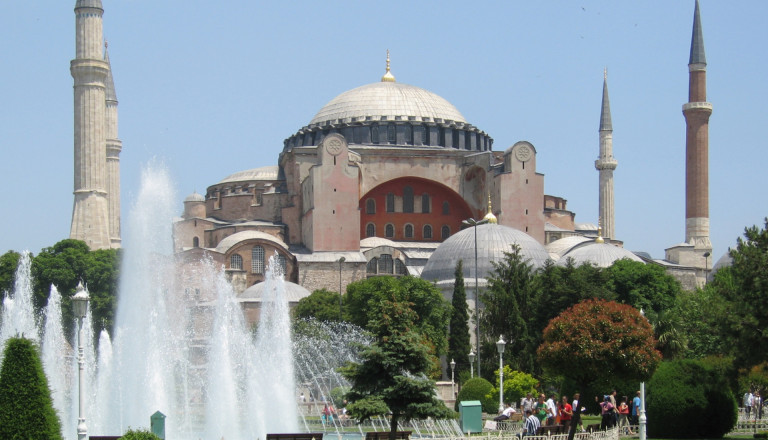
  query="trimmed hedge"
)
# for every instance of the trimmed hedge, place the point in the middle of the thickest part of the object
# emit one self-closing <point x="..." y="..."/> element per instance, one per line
<point x="478" y="389"/>
<point x="689" y="399"/>
<point x="26" y="407"/>
<point x="139" y="434"/>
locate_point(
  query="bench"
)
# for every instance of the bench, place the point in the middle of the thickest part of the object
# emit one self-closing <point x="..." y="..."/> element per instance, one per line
<point x="550" y="430"/>
<point x="384" y="435"/>
<point x="296" y="436"/>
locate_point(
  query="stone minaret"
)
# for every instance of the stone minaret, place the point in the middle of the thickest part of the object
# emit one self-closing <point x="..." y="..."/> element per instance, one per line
<point x="605" y="164"/>
<point x="697" y="111"/>
<point x="114" y="146"/>
<point x="90" y="215"/>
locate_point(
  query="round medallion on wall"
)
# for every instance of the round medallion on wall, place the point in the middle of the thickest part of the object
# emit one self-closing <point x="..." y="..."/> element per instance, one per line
<point x="333" y="146"/>
<point x="523" y="153"/>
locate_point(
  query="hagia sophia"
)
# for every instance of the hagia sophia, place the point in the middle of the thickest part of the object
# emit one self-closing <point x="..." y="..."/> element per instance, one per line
<point x="386" y="179"/>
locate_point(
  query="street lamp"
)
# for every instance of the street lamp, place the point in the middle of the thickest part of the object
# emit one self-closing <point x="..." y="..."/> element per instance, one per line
<point x="453" y="384"/>
<point x="500" y="345"/>
<point x="472" y="364"/>
<point x="475" y="223"/>
<point x="643" y="418"/>
<point x="341" y="261"/>
<point x="80" y="309"/>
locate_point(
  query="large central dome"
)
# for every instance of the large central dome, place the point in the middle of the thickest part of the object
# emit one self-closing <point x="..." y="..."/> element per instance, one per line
<point x="389" y="100"/>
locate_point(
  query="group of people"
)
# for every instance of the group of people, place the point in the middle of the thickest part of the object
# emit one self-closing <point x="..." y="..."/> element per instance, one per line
<point x="545" y="411"/>
<point x="753" y="404"/>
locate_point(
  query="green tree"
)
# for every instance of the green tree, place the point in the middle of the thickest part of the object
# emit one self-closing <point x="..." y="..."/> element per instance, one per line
<point x="508" y="311"/>
<point x="516" y="384"/>
<point x="9" y="261"/>
<point x="597" y="341"/>
<point x="747" y="293"/>
<point x="703" y="318"/>
<point x="644" y="286"/>
<point x="458" y="338"/>
<point x="481" y="390"/>
<point x="139" y="434"/>
<point x="322" y="305"/>
<point x="689" y="399"/>
<point x="26" y="407"/>
<point x="391" y="377"/>
<point x="363" y="301"/>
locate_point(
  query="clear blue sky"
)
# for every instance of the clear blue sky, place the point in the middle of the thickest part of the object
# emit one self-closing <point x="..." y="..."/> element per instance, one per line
<point x="212" y="88"/>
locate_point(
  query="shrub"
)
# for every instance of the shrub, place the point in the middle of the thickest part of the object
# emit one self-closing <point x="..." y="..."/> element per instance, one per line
<point x="689" y="399"/>
<point x="26" y="408"/>
<point x="139" y="434"/>
<point x="478" y="389"/>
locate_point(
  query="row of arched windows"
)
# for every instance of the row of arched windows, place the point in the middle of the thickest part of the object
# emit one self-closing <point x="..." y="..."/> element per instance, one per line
<point x="408" y="205"/>
<point x="408" y="229"/>
<point x="385" y="265"/>
<point x="257" y="261"/>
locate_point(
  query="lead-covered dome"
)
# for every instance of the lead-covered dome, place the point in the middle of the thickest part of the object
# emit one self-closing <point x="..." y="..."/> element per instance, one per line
<point x="389" y="100"/>
<point x="493" y="241"/>
<point x="597" y="254"/>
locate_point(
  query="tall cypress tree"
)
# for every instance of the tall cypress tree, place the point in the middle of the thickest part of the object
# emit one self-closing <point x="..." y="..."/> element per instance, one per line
<point x="458" y="338"/>
<point x="26" y="407"/>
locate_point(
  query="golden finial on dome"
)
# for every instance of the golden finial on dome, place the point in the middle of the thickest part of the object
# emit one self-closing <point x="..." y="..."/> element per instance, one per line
<point x="599" y="238"/>
<point x="490" y="218"/>
<point x="388" y="77"/>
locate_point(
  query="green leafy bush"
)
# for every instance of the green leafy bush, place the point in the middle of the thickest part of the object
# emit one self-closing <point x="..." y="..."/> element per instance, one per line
<point x="26" y="408"/>
<point x="139" y="434"/>
<point x="689" y="399"/>
<point x="478" y="389"/>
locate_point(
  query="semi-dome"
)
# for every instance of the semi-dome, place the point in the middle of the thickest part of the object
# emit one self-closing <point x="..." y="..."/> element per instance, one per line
<point x="270" y="172"/>
<point x="492" y="241"/>
<point x="597" y="254"/>
<point x="389" y="100"/>
<point x="255" y="293"/>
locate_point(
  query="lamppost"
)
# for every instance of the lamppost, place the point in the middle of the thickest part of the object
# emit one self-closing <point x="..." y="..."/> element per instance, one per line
<point x="472" y="364"/>
<point x="643" y="418"/>
<point x="80" y="309"/>
<point x="341" y="261"/>
<point x="500" y="345"/>
<point x="453" y="384"/>
<point x="475" y="223"/>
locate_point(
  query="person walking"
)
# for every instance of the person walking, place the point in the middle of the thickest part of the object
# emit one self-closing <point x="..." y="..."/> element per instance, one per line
<point x="566" y="413"/>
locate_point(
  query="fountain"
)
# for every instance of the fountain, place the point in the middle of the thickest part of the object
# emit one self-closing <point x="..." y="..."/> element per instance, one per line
<point x="181" y="346"/>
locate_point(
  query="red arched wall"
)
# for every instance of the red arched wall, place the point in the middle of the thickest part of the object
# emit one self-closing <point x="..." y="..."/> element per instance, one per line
<point x="459" y="210"/>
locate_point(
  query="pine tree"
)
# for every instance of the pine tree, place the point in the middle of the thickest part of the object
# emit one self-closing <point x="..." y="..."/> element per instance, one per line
<point x="26" y="407"/>
<point x="458" y="339"/>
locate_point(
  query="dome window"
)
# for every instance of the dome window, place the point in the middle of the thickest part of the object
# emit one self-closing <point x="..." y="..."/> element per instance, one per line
<point x="370" y="230"/>
<point x="446" y="208"/>
<point x="236" y="262"/>
<point x="195" y="242"/>
<point x="409" y="231"/>
<point x="427" y="232"/>
<point x="425" y="203"/>
<point x="389" y="230"/>
<point x="375" y="134"/>
<point x="391" y="133"/>
<point x="445" y="232"/>
<point x="408" y="134"/>
<point x="390" y="202"/>
<point x="370" y="206"/>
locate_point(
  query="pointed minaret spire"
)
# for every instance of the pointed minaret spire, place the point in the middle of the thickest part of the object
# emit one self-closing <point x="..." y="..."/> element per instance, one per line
<point x="605" y="164"/>
<point x="697" y="40"/>
<point x="697" y="111"/>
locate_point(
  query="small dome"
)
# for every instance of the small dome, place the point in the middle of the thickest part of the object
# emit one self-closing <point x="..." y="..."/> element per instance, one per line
<point x="195" y="197"/>
<point x="255" y="293"/>
<point x="492" y="241"/>
<point x="387" y="99"/>
<point x="598" y="254"/>
<point x="270" y="172"/>
<point x="560" y="247"/>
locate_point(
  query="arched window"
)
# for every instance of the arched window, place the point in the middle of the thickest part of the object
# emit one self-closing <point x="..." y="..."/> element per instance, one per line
<point x="389" y="231"/>
<point x="390" y="202"/>
<point x="427" y="232"/>
<point x="257" y="260"/>
<point x="195" y="242"/>
<point x="391" y="133"/>
<point x="446" y="208"/>
<point x="385" y="263"/>
<point x="375" y="134"/>
<point x="281" y="262"/>
<point x="370" y="206"/>
<point x="370" y="230"/>
<point x="409" y="231"/>
<point x="425" y="203"/>
<point x="236" y="262"/>
<point x="400" y="268"/>
<point x="408" y="134"/>
<point x="407" y="199"/>
<point x="372" y="265"/>
<point x="424" y="135"/>
<point x="445" y="232"/>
